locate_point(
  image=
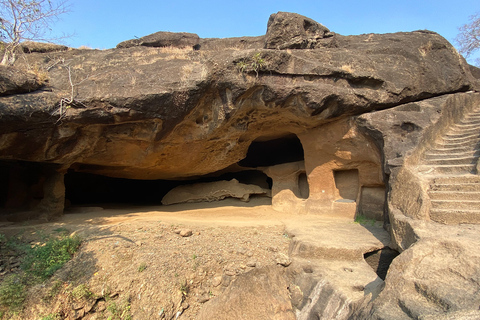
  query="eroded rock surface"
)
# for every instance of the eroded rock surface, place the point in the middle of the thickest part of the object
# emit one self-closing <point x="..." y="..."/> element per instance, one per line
<point x="260" y="294"/>
<point x="212" y="191"/>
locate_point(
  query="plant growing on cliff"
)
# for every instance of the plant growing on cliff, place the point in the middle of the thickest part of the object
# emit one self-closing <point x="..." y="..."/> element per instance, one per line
<point x="256" y="63"/>
<point x="22" y="20"/>
<point x="469" y="37"/>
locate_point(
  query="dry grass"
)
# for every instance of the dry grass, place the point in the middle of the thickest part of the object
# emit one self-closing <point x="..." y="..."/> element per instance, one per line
<point x="175" y="50"/>
<point x="39" y="72"/>
<point x="425" y="49"/>
<point x="186" y="72"/>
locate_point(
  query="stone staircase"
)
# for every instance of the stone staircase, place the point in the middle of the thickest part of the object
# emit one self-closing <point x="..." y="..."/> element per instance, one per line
<point x="450" y="166"/>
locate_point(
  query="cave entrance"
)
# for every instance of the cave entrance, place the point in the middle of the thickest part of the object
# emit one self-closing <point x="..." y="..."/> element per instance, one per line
<point x="21" y="186"/>
<point x="265" y="152"/>
<point x="84" y="189"/>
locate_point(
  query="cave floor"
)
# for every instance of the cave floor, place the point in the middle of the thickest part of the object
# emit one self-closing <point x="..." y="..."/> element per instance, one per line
<point x="180" y="274"/>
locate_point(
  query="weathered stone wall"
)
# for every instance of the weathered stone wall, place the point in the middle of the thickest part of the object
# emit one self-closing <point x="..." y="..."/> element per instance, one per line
<point x="334" y="148"/>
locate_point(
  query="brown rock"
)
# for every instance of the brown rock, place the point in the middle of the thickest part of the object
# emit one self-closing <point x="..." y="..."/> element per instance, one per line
<point x="287" y="30"/>
<point x="283" y="260"/>
<point x="431" y="277"/>
<point x="185" y="233"/>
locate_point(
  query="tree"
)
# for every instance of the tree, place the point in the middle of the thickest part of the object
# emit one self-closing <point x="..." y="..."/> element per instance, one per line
<point x="22" y="20"/>
<point x="469" y="37"/>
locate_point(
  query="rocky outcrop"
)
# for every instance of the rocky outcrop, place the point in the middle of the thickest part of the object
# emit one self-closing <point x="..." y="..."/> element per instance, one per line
<point x="436" y="276"/>
<point x="293" y="31"/>
<point x="163" y="39"/>
<point x="139" y="107"/>
<point x="41" y="47"/>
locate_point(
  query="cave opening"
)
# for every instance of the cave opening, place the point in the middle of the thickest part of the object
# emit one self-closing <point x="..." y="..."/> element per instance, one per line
<point x="21" y="186"/>
<point x="265" y="152"/>
<point x="83" y="189"/>
<point x="303" y="187"/>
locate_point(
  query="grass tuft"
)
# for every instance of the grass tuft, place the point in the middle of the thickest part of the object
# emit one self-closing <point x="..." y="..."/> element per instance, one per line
<point x="360" y="219"/>
<point x="42" y="261"/>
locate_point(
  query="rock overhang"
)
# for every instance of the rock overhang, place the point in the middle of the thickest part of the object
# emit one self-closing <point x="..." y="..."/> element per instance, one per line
<point x="141" y="109"/>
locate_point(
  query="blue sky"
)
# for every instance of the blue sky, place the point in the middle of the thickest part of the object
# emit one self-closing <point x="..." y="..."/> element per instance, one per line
<point x="103" y="24"/>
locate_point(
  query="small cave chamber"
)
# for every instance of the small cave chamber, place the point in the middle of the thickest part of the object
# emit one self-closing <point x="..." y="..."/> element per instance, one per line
<point x="282" y="159"/>
<point x="303" y="188"/>
<point x="266" y="152"/>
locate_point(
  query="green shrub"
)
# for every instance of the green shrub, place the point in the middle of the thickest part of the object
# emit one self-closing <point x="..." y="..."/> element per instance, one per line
<point x="42" y="261"/>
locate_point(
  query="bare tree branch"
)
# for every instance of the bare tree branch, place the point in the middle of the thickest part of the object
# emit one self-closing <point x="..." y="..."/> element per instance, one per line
<point x="469" y="37"/>
<point x="27" y="20"/>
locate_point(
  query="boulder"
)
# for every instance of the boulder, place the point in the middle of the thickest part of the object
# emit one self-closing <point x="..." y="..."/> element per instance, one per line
<point x="41" y="47"/>
<point x="287" y="30"/>
<point x="435" y="277"/>
<point x="163" y="39"/>
<point x="212" y="191"/>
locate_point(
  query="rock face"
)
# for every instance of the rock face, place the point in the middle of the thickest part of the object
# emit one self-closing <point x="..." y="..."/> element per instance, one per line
<point x="339" y="126"/>
<point x="212" y="191"/>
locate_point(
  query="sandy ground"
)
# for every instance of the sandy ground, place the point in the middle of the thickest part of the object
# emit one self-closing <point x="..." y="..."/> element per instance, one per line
<point x="135" y="258"/>
<point x="135" y="261"/>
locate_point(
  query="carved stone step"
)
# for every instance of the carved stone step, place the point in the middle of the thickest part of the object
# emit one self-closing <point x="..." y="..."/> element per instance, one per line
<point x="451" y="195"/>
<point x="448" y="216"/>
<point x="456" y="204"/>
